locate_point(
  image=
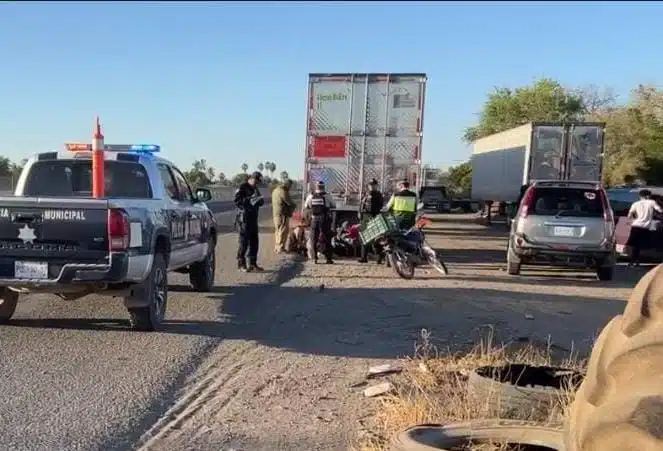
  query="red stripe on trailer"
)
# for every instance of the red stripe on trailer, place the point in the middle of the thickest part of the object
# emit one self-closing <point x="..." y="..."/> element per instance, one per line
<point x="418" y="125"/>
<point x="417" y="153"/>
<point x="380" y="79"/>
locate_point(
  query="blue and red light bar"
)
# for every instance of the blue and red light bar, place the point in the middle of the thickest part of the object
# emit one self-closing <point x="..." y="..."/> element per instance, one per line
<point x="137" y="148"/>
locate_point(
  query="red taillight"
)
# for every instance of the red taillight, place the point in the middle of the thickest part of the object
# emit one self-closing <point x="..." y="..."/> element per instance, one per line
<point x="607" y="209"/>
<point x="527" y="202"/>
<point x="119" y="230"/>
<point x="608" y="217"/>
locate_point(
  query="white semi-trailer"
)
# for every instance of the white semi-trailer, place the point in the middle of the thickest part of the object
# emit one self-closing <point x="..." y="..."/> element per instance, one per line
<point x="504" y="162"/>
<point x="360" y="127"/>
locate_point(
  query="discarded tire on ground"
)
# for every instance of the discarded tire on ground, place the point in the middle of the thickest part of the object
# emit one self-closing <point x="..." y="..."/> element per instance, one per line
<point x="520" y="388"/>
<point x="459" y="436"/>
<point x="619" y="406"/>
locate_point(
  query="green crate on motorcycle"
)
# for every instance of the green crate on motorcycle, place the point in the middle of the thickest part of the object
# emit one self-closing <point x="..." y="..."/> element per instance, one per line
<point x="377" y="227"/>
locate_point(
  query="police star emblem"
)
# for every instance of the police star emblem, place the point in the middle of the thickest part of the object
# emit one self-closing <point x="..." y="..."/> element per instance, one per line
<point x="27" y="234"/>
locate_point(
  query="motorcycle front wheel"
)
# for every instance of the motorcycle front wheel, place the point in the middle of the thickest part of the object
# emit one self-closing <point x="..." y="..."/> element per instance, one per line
<point x="399" y="261"/>
<point x="435" y="260"/>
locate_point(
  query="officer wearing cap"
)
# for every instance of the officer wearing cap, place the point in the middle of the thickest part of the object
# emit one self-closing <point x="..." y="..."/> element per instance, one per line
<point x="248" y="201"/>
<point x="403" y="205"/>
<point x="371" y="205"/>
<point x="320" y="205"/>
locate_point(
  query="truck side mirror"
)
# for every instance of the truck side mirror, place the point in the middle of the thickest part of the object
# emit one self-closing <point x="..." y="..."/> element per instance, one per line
<point x="203" y="195"/>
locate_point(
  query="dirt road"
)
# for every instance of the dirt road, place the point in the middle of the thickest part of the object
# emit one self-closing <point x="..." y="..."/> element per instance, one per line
<point x="286" y="373"/>
<point x="75" y="378"/>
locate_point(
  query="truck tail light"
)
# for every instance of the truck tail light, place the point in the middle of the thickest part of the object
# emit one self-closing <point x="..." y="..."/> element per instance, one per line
<point x="119" y="231"/>
<point x="528" y="202"/>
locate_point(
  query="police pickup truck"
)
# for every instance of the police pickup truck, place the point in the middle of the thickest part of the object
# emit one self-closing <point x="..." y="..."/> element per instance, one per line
<point x="56" y="238"/>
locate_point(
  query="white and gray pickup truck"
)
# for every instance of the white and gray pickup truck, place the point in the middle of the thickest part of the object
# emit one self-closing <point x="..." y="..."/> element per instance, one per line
<point x="56" y="238"/>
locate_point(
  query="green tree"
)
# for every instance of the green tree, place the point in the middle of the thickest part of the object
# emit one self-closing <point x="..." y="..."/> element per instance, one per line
<point x="284" y="176"/>
<point x="245" y="167"/>
<point x="222" y="178"/>
<point x="5" y="167"/>
<point x="200" y="173"/>
<point x="238" y="179"/>
<point x="261" y="166"/>
<point x="546" y="100"/>
<point x="459" y="179"/>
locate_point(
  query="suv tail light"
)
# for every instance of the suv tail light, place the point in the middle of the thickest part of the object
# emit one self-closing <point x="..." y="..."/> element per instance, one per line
<point x="527" y="204"/>
<point x="608" y="215"/>
<point x="119" y="231"/>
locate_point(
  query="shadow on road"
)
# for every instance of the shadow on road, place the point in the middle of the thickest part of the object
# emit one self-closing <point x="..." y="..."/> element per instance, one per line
<point x="377" y="322"/>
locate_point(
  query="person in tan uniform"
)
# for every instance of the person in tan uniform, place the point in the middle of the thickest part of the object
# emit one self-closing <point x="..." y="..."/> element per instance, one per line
<point x="282" y="209"/>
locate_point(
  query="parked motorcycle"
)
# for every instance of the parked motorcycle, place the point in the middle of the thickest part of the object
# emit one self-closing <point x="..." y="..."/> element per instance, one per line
<point x="405" y="250"/>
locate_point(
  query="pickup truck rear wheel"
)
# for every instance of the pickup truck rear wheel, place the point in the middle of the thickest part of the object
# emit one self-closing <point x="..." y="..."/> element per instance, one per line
<point x="151" y="316"/>
<point x="201" y="274"/>
<point x="8" y="302"/>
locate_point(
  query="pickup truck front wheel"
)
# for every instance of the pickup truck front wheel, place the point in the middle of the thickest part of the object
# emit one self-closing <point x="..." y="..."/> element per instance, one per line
<point x="155" y="292"/>
<point x="201" y="274"/>
<point x="8" y="302"/>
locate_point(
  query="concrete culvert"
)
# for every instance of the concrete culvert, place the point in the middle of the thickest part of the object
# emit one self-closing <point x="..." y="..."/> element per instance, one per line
<point x="521" y="389"/>
<point x="515" y="435"/>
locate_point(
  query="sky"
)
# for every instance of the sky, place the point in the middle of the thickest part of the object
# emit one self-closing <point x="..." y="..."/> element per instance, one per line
<point x="228" y="81"/>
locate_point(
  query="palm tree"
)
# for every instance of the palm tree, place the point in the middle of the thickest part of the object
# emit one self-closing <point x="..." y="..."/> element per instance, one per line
<point x="261" y="166"/>
<point x="245" y="167"/>
<point x="284" y="175"/>
<point x="272" y="168"/>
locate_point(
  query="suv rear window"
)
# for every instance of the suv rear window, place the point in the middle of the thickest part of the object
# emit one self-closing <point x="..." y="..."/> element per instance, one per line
<point x="73" y="178"/>
<point x="567" y="202"/>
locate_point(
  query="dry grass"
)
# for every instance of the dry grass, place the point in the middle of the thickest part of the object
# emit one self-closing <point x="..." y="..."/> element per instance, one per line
<point x="432" y="389"/>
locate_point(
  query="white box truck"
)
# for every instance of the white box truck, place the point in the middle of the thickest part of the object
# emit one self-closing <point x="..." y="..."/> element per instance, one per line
<point x="504" y="162"/>
<point x="363" y="126"/>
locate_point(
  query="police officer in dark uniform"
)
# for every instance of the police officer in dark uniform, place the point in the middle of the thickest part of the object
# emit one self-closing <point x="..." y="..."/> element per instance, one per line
<point x="248" y="201"/>
<point x="320" y="204"/>
<point x="403" y="205"/>
<point x="371" y="205"/>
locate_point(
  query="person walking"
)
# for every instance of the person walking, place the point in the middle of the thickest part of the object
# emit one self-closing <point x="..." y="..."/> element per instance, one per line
<point x="282" y="209"/>
<point x="371" y="205"/>
<point x="642" y="213"/>
<point x="403" y="205"/>
<point x="248" y="201"/>
<point x="320" y="204"/>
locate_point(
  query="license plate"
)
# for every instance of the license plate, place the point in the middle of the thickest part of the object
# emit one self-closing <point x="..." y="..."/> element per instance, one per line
<point x="563" y="231"/>
<point x="30" y="270"/>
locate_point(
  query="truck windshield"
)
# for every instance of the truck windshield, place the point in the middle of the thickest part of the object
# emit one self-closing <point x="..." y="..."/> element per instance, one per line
<point x="73" y="178"/>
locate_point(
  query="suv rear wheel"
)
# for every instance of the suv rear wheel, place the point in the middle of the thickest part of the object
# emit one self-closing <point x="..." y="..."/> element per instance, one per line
<point x="512" y="262"/>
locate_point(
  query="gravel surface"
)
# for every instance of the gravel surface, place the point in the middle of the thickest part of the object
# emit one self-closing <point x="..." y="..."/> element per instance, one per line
<point x="74" y="377"/>
<point x="290" y="369"/>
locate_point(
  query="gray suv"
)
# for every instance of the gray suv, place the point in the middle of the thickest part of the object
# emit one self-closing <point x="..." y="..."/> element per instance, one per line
<point x="563" y="223"/>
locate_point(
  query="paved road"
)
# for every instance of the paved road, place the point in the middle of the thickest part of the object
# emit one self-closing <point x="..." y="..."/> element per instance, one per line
<point x="73" y="377"/>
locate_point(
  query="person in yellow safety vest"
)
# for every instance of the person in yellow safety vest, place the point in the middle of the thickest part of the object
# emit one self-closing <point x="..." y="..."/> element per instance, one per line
<point x="403" y="205"/>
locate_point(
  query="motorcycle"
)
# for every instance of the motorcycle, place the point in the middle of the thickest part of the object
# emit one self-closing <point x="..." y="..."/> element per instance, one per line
<point x="405" y="250"/>
<point x="345" y="243"/>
